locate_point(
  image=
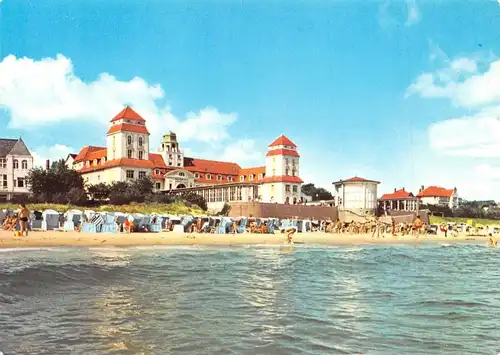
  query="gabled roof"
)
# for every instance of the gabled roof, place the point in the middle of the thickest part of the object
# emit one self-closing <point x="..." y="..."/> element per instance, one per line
<point x="211" y="166"/>
<point x="13" y="147"/>
<point x="282" y="140"/>
<point x="400" y="194"/>
<point x="157" y="160"/>
<point x="82" y="155"/>
<point x="436" y="191"/>
<point x="254" y="172"/>
<point x="355" y="179"/>
<point x="127" y="112"/>
<point x="126" y="127"/>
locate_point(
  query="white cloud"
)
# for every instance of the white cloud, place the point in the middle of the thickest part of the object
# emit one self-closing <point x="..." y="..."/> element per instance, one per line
<point x="245" y="152"/>
<point x="53" y="153"/>
<point x="414" y="15"/>
<point x="47" y="91"/>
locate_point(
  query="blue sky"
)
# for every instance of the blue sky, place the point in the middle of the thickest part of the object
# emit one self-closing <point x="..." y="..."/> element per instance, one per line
<point x="378" y="89"/>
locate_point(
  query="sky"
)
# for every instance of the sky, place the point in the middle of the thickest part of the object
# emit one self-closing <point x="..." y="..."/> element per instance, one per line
<point x="403" y="92"/>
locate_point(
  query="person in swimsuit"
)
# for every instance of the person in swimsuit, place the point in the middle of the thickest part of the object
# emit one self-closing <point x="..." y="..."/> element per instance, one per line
<point x="23" y="219"/>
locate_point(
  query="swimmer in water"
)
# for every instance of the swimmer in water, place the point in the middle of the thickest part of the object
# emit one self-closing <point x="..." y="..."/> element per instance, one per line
<point x="492" y="243"/>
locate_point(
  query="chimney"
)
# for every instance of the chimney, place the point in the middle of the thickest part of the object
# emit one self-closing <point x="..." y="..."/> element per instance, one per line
<point x="394" y="190"/>
<point x="404" y="189"/>
<point x="421" y="188"/>
<point x="47" y="164"/>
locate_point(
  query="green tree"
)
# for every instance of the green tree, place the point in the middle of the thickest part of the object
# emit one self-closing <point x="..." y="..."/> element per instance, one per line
<point x="317" y="193"/>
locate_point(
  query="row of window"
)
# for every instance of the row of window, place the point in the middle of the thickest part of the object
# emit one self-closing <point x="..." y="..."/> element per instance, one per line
<point x="18" y="182"/>
<point x="294" y="188"/>
<point x="130" y="141"/>
<point x="15" y="164"/>
<point x="130" y="154"/>
<point x="130" y="174"/>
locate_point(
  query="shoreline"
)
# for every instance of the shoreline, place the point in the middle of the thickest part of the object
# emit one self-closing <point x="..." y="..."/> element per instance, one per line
<point x="77" y="239"/>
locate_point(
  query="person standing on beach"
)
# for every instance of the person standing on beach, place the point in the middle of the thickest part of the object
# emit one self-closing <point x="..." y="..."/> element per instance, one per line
<point x="417" y="225"/>
<point x="23" y="219"/>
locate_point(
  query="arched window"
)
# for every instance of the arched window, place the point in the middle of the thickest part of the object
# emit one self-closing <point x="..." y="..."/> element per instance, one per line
<point x="219" y="177"/>
<point x="24" y="164"/>
<point x="293" y="172"/>
<point x="129" y="153"/>
<point x="129" y="140"/>
<point x="251" y="177"/>
<point x="287" y="171"/>
<point x="141" y="155"/>
<point x="260" y="176"/>
<point x="196" y="175"/>
<point x="295" y="200"/>
<point x="208" y="176"/>
<point x="182" y="174"/>
<point x="140" y="141"/>
<point x="15" y="163"/>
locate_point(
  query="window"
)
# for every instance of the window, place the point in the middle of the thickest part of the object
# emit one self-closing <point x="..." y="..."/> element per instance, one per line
<point x="158" y="185"/>
<point x="229" y="178"/>
<point x="260" y="176"/>
<point x="294" y="188"/>
<point x="293" y="172"/>
<point x="4" y="182"/>
<point x="130" y="174"/>
<point x="219" y="177"/>
<point x="242" y="178"/>
<point x="15" y="164"/>
<point x="287" y="172"/>
<point x="140" y="142"/>
<point x="20" y="182"/>
<point x="157" y="171"/>
<point x="129" y="153"/>
<point x="95" y="161"/>
<point x="196" y="175"/>
<point x="3" y="163"/>
<point x="286" y="161"/>
<point x="142" y="174"/>
<point x="24" y="164"/>
<point x="287" y="188"/>
<point x="182" y="174"/>
<point x="208" y="177"/>
<point x="141" y="155"/>
<point x="293" y="162"/>
<point x="250" y="177"/>
<point x="129" y="140"/>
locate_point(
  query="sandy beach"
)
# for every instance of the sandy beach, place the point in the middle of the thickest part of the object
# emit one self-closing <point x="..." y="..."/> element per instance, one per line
<point x="76" y="239"/>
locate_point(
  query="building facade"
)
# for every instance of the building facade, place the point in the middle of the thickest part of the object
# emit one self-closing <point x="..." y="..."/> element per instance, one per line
<point x="399" y="200"/>
<point x="15" y="164"/>
<point x="438" y="196"/>
<point x="356" y="194"/>
<point x="127" y="156"/>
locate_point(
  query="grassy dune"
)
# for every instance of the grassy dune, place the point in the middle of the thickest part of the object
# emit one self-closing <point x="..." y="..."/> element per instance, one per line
<point x="476" y="221"/>
<point x="177" y="208"/>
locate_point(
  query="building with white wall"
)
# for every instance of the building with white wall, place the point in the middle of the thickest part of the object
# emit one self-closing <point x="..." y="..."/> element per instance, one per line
<point x="356" y="194"/>
<point x="438" y="196"/>
<point x="15" y="164"/>
<point x="399" y="200"/>
<point x="127" y="156"/>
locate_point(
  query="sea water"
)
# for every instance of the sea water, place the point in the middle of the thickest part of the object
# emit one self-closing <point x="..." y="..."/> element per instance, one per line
<point x="432" y="299"/>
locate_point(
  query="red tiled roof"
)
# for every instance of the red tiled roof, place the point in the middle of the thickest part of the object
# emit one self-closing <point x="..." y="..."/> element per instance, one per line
<point x="98" y="154"/>
<point x="282" y="140"/>
<point x="157" y="160"/>
<point x="126" y="162"/>
<point x="398" y="195"/>
<point x="436" y="191"/>
<point x="211" y="166"/>
<point x="82" y="155"/>
<point x="127" y="112"/>
<point x="126" y="127"/>
<point x="355" y="179"/>
<point x="284" y="178"/>
<point x="246" y="172"/>
<point x="287" y="152"/>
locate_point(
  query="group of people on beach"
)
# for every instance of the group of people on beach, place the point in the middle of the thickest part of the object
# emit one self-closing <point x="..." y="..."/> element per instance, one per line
<point x="17" y="222"/>
<point x="377" y="228"/>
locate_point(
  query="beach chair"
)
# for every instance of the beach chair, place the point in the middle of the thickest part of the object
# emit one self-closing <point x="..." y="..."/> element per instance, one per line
<point x="224" y="225"/>
<point x="50" y="220"/>
<point x="109" y="223"/>
<point x="94" y="225"/>
<point x="155" y="224"/>
<point x="242" y="227"/>
<point x="36" y="219"/>
<point x="73" y="219"/>
<point x="187" y="222"/>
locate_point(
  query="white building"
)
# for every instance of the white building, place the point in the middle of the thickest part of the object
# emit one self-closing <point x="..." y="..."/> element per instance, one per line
<point x="356" y="195"/>
<point x="15" y="164"/>
<point x="438" y="196"/>
<point x="127" y="156"/>
<point x="282" y="183"/>
<point x="399" y="200"/>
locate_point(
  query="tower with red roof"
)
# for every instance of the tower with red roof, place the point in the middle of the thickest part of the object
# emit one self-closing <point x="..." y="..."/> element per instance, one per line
<point x="128" y="136"/>
<point x="282" y="183"/>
